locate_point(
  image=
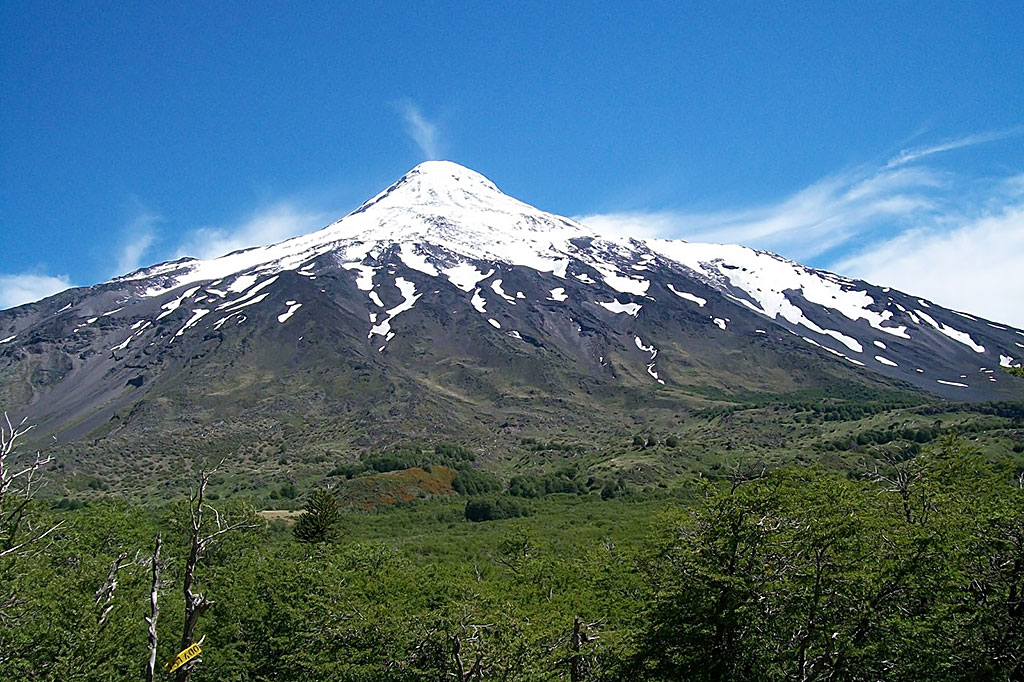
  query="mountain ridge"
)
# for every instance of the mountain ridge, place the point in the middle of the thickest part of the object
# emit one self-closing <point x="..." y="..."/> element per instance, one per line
<point x="443" y="306"/>
<point x="442" y="204"/>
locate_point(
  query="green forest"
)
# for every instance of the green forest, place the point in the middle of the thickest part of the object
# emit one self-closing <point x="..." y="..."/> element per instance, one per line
<point x="910" y="570"/>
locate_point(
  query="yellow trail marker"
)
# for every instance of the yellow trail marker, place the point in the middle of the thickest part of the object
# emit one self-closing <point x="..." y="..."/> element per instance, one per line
<point x="183" y="657"/>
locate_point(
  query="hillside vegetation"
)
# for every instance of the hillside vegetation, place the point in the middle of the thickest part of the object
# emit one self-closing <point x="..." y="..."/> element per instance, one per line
<point x="910" y="570"/>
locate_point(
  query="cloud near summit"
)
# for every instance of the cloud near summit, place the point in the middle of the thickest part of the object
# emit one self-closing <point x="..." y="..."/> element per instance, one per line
<point x="422" y="131"/>
<point x="268" y="226"/>
<point x="27" y="287"/>
<point x="905" y="223"/>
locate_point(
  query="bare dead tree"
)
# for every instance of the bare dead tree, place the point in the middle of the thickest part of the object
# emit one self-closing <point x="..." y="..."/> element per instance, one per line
<point x="899" y="478"/>
<point x="743" y="472"/>
<point x="201" y="536"/>
<point x="154" y="612"/>
<point x="579" y="664"/>
<point x="467" y="633"/>
<point x="466" y="647"/>
<point x="19" y="533"/>
<point x="105" y="594"/>
<point x="18" y="486"/>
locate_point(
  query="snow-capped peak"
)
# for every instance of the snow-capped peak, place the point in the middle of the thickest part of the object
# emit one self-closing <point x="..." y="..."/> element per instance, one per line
<point x="456" y="227"/>
<point x="438" y="202"/>
<point x="446" y="220"/>
<point x="434" y="183"/>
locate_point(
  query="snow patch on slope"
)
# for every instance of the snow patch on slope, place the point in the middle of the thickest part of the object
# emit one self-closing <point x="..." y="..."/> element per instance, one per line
<point x="364" y="275"/>
<point x="250" y="292"/>
<point x="616" y="307"/>
<point x="197" y="314"/>
<point x="292" y="307"/>
<point x="170" y="306"/>
<point x="496" y="288"/>
<point x="766" y="277"/>
<point x="465" y="276"/>
<point x="416" y="261"/>
<point x="478" y="301"/>
<point x="408" y="290"/>
<point x="689" y="297"/>
<point x="959" y="336"/>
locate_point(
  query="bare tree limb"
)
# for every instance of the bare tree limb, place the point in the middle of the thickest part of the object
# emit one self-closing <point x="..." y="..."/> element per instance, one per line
<point x="154" y="613"/>
<point x="18" y="485"/>
<point x="197" y="604"/>
<point x="105" y="594"/>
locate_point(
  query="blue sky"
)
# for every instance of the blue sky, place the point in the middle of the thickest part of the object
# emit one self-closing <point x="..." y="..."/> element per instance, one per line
<point x="883" y="140"/>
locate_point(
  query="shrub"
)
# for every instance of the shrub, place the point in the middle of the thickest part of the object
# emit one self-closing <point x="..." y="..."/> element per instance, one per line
<point x="523" y="486"/>
<point x="472" y="482"/>
<point x="494" y="508"/>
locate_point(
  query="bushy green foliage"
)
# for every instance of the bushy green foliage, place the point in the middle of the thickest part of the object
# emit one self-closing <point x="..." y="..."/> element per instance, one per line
<point x="614" y="488"/>
<point x="475" y="482"/>
<point x="394" y="461"/>
<point x="911" y="436"/>
<point x="494" y="508"/>
<point x="406" y="457"/>
<point x="912" y="576"/>
<point x="913" y="573"/>
<point x="452" y="454"/>
<point x="564" y="480"/>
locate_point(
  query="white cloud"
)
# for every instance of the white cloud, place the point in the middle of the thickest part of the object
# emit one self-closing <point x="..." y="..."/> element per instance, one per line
<point x="423" y="132"/>
<point x="640" y="225"/>
<point x="810" y="222"/>
<point x="140" y="234"/>
<point x="915" y="227"/>
<point x="278" y="222"/>
<point x="909" y="155"/>
<point x="16" y="289"/>
<point x="974" y="267"/>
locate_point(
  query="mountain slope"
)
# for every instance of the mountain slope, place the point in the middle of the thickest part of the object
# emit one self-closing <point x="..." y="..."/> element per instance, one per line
<point x="442" y="307"/>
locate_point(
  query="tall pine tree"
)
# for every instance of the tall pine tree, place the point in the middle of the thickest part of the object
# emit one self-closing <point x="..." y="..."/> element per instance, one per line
<point x="319" y="520"/>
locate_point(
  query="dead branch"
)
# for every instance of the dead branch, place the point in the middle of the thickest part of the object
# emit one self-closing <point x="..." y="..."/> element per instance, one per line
<point x="105" y="594"/>
<point x="19" y="484"/>
<point x="196" y="604"/>
<point x="154" y="612"/>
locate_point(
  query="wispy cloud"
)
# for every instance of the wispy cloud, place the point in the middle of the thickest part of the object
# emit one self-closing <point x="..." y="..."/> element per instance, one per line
<point x="273" y="224"/>
<point x="26" y="287"/>
<point x="974" y="265"/>
<point x="910" y="155"/>
<point x="808" y="223"/>
<point x="905" y="222"/>
<point x="139" y="236"/>
<point x="422" y="131"/>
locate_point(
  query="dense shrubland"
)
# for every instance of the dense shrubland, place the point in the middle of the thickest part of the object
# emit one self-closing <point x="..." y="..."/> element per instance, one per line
<point x="910" y="571"/>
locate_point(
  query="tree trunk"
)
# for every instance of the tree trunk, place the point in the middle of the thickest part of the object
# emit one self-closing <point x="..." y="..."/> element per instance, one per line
<point x="154" y="613"/>
<point x="575" y="661"/>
